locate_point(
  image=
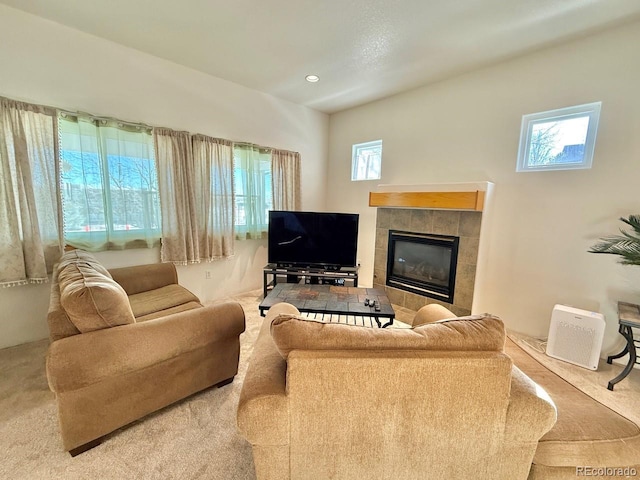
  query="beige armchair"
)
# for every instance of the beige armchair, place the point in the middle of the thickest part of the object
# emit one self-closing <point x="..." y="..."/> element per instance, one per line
<point x="440" y="400"/>
<point x="130" y="341"/>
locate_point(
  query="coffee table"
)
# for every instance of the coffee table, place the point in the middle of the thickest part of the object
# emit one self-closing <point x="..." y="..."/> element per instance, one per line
<point x="328" y="301"/>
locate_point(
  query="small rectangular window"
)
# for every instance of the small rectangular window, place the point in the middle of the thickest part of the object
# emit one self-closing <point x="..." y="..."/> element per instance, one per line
<point x="366" y="161"/>
<point x="561" y="139"/>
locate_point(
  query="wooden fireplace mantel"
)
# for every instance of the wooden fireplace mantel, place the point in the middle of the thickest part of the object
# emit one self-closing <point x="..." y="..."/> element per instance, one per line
<point x="436" y="200"/>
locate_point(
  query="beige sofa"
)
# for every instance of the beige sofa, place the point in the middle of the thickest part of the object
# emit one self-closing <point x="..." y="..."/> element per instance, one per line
<point x="129" y="341"/>
<point x="588" y="436"/>
<point x="436" y="401"/>
<point x="589" y="439"/>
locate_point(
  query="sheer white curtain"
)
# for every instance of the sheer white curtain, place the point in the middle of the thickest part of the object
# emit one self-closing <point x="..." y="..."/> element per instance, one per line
<point x="110" y="186"/>
<point x="252" y="190"/>
<point x="285" y="172"/>
<point x="196" y="195"/>
<point x="31" y="233"/>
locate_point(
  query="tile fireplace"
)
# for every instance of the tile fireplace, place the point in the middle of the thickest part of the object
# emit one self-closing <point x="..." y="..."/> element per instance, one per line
<point x="424" y="264"/>
<point x="461" y="225"/>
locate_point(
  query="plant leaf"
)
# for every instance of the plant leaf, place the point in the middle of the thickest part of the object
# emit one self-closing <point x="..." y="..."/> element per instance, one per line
<point x="626" y="245"/>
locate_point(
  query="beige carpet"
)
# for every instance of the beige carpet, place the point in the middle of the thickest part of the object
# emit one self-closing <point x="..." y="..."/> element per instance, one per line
<point x="193" y="439"/>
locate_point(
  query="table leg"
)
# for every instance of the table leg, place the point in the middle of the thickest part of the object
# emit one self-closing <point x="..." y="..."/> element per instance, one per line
<point x="390" y="322"/>
<point x="627" y="333"/>
<point x="380" y="325"/>
<point x="624" y="351"/>
<point x="264" y="284"/>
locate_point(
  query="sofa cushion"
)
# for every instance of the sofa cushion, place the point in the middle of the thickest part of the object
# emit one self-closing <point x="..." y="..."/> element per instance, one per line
<point x="430" y="313"/>
<point x="160" y="299"/>
<point x="88" y="294"/>
<point x="82" y="257"/>
<point x="472" y="333"/>
<point x="169" y="311"/>
<point x="60" y="326"/>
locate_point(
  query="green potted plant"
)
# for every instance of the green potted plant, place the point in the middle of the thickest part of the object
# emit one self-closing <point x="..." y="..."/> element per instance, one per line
<point x="626" y="245"/>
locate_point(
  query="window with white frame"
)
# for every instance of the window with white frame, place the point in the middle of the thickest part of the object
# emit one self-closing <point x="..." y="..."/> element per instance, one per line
<point x="253" y="195"/>
<point x="109" y="184"/>
<point x="561" y="139"/>
<point x="366" y="161"/>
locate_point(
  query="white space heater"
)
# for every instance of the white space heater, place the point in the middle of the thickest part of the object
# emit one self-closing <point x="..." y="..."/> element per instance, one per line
<point x="575" y="336"/>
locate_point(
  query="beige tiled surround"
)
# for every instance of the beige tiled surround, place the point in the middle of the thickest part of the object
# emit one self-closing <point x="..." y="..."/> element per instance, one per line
<point x="463" y="224"/>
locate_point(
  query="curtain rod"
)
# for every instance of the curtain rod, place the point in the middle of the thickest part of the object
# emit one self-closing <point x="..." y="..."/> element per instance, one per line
<point x="261" y="147"/>
<point x="252" y="145"/>
<point x="103" y="119"/>
<point x="137" y="124"/>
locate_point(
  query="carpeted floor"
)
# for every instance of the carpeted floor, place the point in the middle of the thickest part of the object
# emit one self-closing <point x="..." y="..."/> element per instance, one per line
<point x="193" y="439"/>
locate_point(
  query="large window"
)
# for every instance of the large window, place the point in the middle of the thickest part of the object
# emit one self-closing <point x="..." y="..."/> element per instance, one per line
<point x="253" y="195"/>
<point x="95" y="183"/>
<point x="109" y="184"/>
<point x="558" y="139"/>
<point x="366" y="162"/>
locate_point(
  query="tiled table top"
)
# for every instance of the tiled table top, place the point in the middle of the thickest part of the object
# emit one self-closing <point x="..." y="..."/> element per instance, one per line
<point x="329" y="299"/>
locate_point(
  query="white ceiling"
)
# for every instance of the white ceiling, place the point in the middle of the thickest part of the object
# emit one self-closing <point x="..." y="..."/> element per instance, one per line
<point x="362" y="49"/>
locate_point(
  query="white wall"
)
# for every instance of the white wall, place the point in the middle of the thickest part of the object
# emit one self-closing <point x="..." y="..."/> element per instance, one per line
<point x="44" y="62"/>
<point x="467" y="129"/>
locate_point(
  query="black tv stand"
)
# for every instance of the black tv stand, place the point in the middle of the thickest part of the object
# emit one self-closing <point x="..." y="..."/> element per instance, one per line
<point x="333" y="275"/>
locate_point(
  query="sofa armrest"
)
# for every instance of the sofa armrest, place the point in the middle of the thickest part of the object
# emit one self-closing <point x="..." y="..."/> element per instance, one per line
<point x="263" y="409"/>
<point x="430" y="313"/>
<point x="142" y="278"/>
<point x="81" y="360"/>
<point x="531" y="411"/>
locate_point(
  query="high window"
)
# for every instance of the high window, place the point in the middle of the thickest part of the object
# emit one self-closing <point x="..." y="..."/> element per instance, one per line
<point x="560" y="139"/>
<point x="366" y="163"/>
<point x="109" y="184"/>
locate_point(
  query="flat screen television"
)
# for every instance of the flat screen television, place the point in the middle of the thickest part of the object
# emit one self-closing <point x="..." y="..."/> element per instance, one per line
<point x="313" y="239"/>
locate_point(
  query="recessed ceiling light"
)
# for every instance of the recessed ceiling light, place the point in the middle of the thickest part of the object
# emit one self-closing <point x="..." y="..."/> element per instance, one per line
<point x="312" y="78"/>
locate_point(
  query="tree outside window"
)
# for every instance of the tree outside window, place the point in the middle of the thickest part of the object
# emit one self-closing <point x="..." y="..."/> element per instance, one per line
<point x="559" y="139"/>
<point x="109" y="185"/>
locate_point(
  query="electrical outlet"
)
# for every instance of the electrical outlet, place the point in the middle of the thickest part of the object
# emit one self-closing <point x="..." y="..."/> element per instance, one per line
<point x="207" y="274"/>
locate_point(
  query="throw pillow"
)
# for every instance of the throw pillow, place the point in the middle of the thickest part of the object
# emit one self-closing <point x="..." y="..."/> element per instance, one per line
<point x="78" y="256"/>
<point x="88" y="294"/>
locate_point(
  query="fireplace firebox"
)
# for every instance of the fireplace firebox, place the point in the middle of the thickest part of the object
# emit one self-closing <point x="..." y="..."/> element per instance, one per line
<point x="424" y="264"/>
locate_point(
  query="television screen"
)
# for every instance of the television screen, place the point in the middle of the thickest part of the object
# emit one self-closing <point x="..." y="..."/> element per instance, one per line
<point x="312" y="239"/>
